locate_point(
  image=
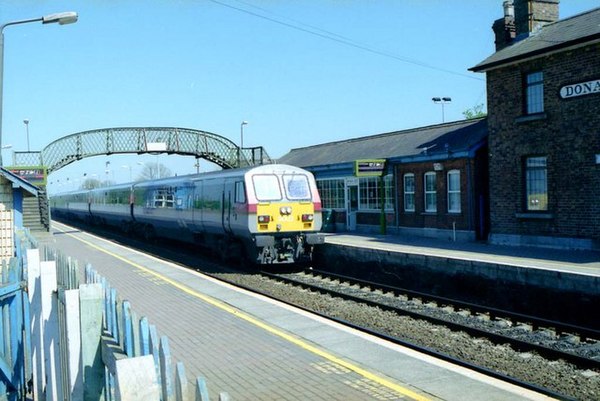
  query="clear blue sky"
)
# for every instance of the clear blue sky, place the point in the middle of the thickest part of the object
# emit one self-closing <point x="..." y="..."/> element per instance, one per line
<point x="211" y="64"/>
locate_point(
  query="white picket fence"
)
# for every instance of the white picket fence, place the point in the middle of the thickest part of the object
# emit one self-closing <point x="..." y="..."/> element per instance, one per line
<point x="88" y="345"/>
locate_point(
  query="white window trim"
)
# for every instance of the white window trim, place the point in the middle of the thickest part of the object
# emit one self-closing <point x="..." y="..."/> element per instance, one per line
<point x="425" y="191"/>
<point x="406" y="209"/>
<point x="454" y="192"/>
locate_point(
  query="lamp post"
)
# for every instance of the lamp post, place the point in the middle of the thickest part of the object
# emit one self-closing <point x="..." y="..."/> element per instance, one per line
<point x="442" y="101"/>
<point x="242" y="133"/>
<point x="26" y="121"/>
<point x="241" y="142"/>
<point x="60" y="18"/>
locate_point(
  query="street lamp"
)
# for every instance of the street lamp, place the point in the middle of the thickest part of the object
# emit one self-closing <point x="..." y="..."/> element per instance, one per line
<point x="241" y="142"/>
<point x="442" y="101"/>
<point x="242" y="133"/>
<point x="60" y="18"/>
<point x="26" y="121"/>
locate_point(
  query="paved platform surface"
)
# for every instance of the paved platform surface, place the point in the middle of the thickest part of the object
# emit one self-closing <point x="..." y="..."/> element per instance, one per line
<point x="258" y="349"/>
<point x="574" y="261"/>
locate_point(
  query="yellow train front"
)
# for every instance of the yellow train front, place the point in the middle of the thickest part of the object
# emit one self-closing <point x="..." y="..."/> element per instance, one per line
<point x="284" y="214"/>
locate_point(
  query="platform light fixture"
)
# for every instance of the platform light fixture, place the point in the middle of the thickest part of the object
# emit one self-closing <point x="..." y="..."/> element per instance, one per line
<point x="26" y="122"/>
<point x="63" y="18"/>
<point x="442" y="101"/>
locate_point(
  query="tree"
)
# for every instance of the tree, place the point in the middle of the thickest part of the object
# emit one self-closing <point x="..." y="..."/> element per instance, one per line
<point x="475" y="112"/>
<point x="91" y="183"/>
<point x="152" y="171"/>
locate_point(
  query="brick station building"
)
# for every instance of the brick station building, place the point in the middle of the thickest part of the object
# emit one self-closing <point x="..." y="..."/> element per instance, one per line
<point x="543" y="85"/>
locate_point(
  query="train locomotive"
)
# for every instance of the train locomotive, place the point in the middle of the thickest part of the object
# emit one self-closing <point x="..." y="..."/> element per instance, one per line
<point x="267" y="214"/>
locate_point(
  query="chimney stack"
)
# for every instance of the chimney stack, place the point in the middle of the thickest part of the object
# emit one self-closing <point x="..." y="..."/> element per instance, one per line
<point x="531" y="15"/>
<point x="504" y="28"/>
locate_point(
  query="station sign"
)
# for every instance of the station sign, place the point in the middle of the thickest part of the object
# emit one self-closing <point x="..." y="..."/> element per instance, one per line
<point x="36" y="175"/>
<point x="580" y="89"/>
<point x="369" y="167"/>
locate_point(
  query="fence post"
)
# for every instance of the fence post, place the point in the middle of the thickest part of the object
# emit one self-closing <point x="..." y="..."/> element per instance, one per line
<point x="154" y="342"/>
<point x="136" y="334"/>
<point x="166" y="379"/>
<point x="135" y="379"/>
<point x="127" y="324"/>
<point x="144" y="337"/>
<point x="201" y="390"/>
<point x="91" y="332"/>
<point x="37" y="321"/>
<point x="181" y="390"/>
<point x="51" y="331"/>
<point x="73" y="336"/>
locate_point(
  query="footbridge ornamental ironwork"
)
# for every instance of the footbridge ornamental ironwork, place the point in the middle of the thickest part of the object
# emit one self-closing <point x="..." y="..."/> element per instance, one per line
<point x="182" y="141"/>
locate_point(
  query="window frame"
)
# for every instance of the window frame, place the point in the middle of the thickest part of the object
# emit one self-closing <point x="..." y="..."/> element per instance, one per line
<point x="408" y="193"/>
<point x="533" y="93"/>
<point x="532" y="184"/>
<point x="332" y="192"/>
<point x="373" y="203"/>
<point x="429" y="193"/>
<point x="451" y="192"/>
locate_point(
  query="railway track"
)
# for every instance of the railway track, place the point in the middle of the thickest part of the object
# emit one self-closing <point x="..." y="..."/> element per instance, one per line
<point x="550" y="339"/>
<point x="521" y="350"/>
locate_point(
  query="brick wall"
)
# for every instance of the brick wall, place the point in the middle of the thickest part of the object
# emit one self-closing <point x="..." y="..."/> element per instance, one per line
<point x="442" y="219"/>
<point x="568" y="134"/>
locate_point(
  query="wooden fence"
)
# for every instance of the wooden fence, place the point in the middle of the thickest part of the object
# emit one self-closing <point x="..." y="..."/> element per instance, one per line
<point x="15" y="341"/>
<point x="89" y="345"/>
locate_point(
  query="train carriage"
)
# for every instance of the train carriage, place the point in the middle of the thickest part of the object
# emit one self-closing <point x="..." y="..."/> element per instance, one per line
<point x="267" y="214"/>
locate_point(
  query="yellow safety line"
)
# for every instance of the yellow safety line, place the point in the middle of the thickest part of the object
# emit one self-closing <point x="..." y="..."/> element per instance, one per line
<point x="294" y="340"/>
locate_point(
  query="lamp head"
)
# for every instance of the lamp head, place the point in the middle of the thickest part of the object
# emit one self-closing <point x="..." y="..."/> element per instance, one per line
<point x="68" y="17"/>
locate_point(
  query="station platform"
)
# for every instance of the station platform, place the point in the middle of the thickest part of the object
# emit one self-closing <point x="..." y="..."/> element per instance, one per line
<point x="255" y="348"/>
<point x="554" y="284"/>
<point x="563" y="260"/>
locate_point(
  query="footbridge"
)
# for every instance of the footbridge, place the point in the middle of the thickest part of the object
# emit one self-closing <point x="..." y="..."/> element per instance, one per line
<point x="154" y="140"/>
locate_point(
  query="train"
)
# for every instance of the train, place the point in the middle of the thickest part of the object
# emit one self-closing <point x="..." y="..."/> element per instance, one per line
<point x="268" y="214"/>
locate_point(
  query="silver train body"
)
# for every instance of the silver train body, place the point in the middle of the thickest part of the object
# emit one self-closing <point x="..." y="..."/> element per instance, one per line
<point x="267" y="214"/>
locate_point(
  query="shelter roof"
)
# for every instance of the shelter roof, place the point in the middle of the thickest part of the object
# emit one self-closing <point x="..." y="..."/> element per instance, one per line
<point x="18" y="182"/>
<point x="454" y="137"/>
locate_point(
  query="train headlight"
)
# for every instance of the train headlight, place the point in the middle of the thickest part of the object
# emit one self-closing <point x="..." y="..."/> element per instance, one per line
<point x="264" y="219"/>
<point x="285" y="210"/>
<point x="307" y="218"/>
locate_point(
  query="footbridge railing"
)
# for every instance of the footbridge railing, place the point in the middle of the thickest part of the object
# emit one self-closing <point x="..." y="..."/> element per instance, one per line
<point x="183" y="141"/>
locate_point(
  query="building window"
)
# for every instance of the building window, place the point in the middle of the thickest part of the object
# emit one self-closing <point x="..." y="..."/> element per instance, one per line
<point x="370" y="195"/>
<point x="409" y="192"/>
<point x="430" y="192"/>
<point x="534" y="93"/>
<point x="332" y="193"/>
<point x="453" y="191"/>
<point x="536" y="182"/>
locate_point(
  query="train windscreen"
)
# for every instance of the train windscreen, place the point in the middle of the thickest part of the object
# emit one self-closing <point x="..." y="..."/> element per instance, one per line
<point x="296" y="187"/>
<point x="266" y="187"/>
